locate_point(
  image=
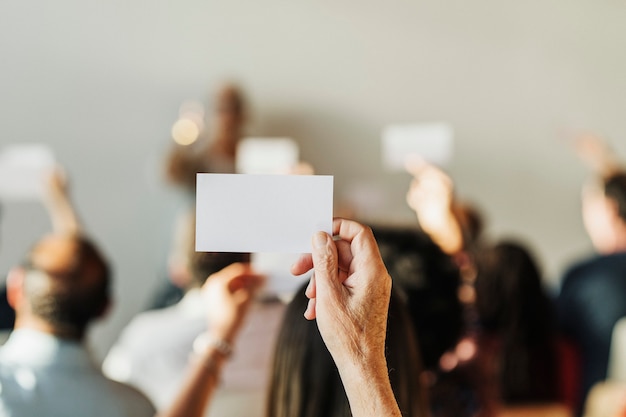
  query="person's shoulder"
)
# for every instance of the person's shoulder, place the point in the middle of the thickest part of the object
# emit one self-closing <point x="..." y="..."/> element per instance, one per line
<point x="597" y="264"/>
<point x="582" y="268"/>
<point x="133" y="401"/>
<point x="150" y="321"/>
<point x="590" y="272"/>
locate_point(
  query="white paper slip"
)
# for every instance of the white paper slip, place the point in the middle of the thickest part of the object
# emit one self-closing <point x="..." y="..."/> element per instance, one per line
<point x="430" y="141"/>
<point x="261" y="213"/>
<point x="23" y="170"/>
<point x="277" y="268"/>
<point x="266" y="155"/>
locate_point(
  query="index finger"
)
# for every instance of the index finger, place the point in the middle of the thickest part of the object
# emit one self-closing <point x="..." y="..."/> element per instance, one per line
<point x="358" y="237"/>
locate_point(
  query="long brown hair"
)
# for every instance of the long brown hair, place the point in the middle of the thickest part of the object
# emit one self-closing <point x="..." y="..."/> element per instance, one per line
<point x="305" y="381"/>
<point x="514" y="307"/>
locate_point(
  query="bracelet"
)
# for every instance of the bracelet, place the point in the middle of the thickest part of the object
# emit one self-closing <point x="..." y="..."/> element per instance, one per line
<point x="205" y="341"/>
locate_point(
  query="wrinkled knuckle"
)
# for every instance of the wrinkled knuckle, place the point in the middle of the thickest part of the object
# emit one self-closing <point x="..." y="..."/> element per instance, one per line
<point x="326" y="262"/>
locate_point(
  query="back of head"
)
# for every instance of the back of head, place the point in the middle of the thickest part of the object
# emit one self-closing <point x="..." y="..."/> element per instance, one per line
<point x="615" y="190"/>
<point x="430" y="279"/>
<point x="508" y="286"/>
<point x="203" y="264"/>
<point x="513" y="306"/>
<point x="66" y="283"/>
<point x="230" y="100"/>
<point x="305" y="381"/>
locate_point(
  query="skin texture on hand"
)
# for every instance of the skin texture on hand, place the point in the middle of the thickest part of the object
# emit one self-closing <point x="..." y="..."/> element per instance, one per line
<point x="349" y="298"/>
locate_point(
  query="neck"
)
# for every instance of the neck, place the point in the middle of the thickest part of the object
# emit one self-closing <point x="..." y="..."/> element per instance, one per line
<point x="62" y="332"/>
<point x="618" y="237"/>
<point x="620" y="242"/>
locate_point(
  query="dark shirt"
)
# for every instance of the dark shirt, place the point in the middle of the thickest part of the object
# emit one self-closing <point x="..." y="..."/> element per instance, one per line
<point x="7" y="314"/>
<point x="592" y="300"/>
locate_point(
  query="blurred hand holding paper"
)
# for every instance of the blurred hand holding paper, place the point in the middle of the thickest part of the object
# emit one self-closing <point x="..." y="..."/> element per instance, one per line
<point x="23" y="169"/>
<point x="430" y="141"/>
<point x="261" y="213"/>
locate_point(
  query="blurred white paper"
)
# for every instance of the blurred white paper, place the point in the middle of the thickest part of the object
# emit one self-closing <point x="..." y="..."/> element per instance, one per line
<point x="430" y="141"/>
<point x="266" y="155"/>
<point x="261" y="213"/>
<point x="277" y="268"/>
<point x="23" y="170"/>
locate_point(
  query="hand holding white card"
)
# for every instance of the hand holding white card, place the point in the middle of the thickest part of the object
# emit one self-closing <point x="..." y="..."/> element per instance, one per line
<point x="261" y="213"/>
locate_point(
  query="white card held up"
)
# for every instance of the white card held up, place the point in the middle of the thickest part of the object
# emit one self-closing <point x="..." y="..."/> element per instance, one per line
<point x="430" y="141"/>
<point x="266" y="155"/>
<point x="23" y="170"/>
<point x="261" y="213"/>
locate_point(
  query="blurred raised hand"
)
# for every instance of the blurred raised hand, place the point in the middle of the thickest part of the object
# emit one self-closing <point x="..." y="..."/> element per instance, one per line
<point x="431" y="196"/>
<point x="57" y="201"/>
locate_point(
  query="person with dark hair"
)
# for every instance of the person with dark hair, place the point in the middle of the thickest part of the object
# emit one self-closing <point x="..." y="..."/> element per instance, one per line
<point x="62" y="287"/>
<point x="593" y="292"/>
<point x="430" y="280"/>
<point x="518" y="348"/>
<point x="305" y="381"/>
<point x="7" y="314"/>
<point x="152" y="351"/>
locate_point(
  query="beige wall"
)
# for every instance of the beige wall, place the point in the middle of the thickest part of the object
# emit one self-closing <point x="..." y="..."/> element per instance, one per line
<point x="101" y="82"/>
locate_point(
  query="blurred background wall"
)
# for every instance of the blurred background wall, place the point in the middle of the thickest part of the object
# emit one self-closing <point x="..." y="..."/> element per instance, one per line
<point x="101" y="82"/>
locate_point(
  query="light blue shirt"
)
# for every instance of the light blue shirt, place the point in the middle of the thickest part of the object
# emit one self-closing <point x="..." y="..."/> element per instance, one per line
<point x="42" y="375"/>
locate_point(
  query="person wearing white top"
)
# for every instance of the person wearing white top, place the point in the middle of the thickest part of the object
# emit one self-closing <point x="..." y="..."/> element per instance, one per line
<point x="153" y="350"/>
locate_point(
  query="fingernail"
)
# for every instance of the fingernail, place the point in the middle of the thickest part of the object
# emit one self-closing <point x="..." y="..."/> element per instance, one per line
<point x="319" y="240"/>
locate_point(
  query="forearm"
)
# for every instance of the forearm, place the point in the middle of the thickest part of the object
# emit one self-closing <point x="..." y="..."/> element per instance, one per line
<point x="445" y="231"/>
<point x="63" y="217"/>
<point x="199" y="385"/>
<point x="368" y="388"/>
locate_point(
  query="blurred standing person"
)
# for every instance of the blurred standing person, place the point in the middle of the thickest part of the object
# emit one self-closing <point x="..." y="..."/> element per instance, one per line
<point x="216" y="147"/>
<point x="593" y="292"/>
<point x="213" y="150"/>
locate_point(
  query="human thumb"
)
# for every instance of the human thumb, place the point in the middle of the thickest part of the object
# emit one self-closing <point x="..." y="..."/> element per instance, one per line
<point x="325" y="263"/>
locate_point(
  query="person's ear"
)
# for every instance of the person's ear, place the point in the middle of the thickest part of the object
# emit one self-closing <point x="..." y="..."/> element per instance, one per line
<point x="612" y="208"/>
<point x="15" y="287"/>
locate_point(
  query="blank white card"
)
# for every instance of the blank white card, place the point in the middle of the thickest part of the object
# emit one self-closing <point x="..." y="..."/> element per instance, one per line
<point x="261" y="213"/>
